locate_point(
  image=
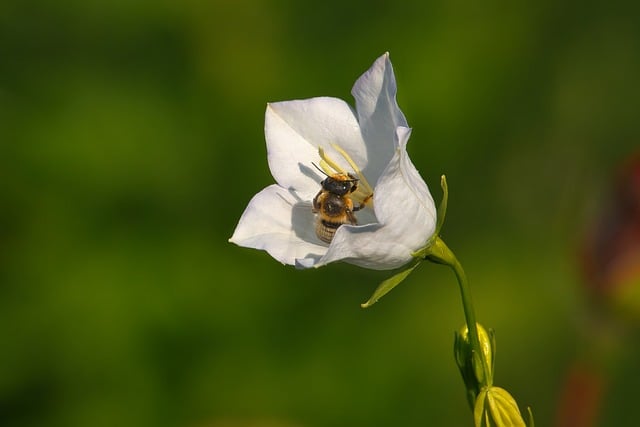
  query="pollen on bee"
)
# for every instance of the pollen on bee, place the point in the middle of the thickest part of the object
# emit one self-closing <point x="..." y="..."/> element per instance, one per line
<point x="364" y="192"/>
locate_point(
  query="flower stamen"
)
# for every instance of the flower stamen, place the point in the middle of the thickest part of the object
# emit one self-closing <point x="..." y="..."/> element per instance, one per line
<point x="330" y="167"/>
<point x="327" y="164"/>
<point x="355" y="168"/>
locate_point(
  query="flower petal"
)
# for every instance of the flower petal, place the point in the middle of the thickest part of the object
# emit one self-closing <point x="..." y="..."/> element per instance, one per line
<point x="378" y="114"/>
<point x="295" y="129"/>
<point x="406" y="214"/>
<point x="278" y="221"/>
<point x="401" y="195"/>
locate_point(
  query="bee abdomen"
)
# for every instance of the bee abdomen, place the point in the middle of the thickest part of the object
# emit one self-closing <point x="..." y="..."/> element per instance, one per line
<point x="325" y="230"/>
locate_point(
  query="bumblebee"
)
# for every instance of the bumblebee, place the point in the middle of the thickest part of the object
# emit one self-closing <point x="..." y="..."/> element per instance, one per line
<point x="334" y="206"/>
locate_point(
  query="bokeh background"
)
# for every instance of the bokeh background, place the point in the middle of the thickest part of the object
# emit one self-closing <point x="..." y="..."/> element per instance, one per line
<point x="131" y="139"/>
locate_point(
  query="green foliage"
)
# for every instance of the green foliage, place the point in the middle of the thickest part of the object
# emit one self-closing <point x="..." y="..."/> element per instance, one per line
<point x="131" y="139"/>
<point x="391" y="283"/>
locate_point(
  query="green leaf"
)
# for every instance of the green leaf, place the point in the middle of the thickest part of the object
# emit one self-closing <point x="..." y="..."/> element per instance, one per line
<point x="390" y="283"/>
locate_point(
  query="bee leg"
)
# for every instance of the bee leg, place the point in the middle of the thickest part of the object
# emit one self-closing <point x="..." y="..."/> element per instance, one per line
<point x="363" y="203"/>
<point x="348" y="210"/>
<point x="354" y="187"/>
<point x="351" y="217"/>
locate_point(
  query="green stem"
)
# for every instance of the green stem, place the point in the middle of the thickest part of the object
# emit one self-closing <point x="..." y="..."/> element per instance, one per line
<point x="440" y="253"/>
<point x="467" y="303"/>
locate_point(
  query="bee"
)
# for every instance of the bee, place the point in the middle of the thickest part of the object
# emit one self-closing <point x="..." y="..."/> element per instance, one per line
<point x="333" y="204"/>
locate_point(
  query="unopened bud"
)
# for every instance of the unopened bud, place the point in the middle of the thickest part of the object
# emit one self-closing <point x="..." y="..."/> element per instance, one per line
<point x="476" y="369"/>
<point x="496" y="407"/>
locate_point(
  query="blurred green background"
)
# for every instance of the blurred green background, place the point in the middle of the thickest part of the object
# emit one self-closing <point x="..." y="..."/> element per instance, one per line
<point x="131" y="140"/>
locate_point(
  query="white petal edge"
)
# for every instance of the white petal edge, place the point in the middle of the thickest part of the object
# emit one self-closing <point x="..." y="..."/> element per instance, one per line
<point x="407" y="216"/>
<point x="295" y="129"/>
<point x="280" y="222"/>
<point x="378" y="113"/>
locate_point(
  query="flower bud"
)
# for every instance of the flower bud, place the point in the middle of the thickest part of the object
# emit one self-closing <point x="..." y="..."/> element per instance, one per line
<point x="496" y="407"/>
<point x="476" y="369"/>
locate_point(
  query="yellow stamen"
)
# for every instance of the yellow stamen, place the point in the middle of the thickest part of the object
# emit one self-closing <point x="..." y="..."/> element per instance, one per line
<point x="361" y="177"/>
<point x="329" y="166"/>
<point x="327" y="162"/>
<point x="326" y="168"/>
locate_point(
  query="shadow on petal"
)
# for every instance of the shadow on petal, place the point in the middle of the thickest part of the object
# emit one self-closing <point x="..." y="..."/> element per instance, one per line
<point x="366" y="216"/>
<point x="310" y="172"/>
<point x="304" y="223"/>
<point x="304" y="227"/>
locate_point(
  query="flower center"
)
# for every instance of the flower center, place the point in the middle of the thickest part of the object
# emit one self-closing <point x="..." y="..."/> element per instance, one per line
<point x="364" y="192"/>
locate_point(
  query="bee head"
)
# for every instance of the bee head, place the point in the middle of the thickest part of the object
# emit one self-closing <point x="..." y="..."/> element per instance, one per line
<point x="340" y="184"/>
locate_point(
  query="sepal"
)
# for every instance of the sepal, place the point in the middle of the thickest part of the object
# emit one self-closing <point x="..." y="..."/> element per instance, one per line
<point x="390" y="283"/>
<point x="436" y="250"/>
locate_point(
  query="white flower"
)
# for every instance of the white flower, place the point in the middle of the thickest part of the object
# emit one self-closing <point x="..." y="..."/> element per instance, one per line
<point x="371" y="144"/>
